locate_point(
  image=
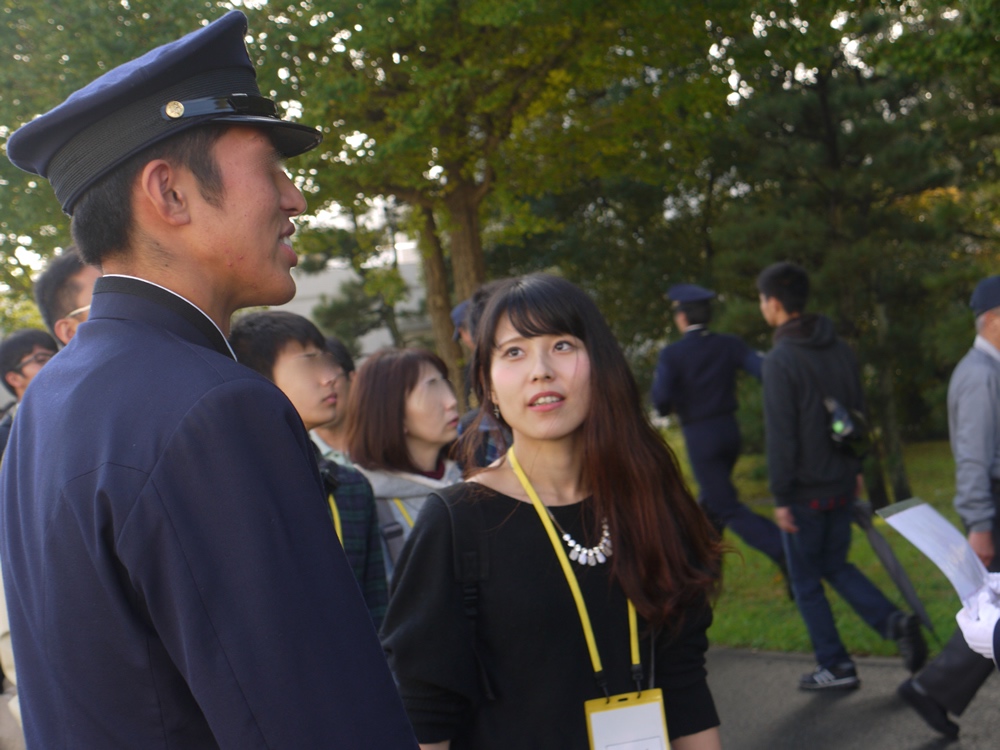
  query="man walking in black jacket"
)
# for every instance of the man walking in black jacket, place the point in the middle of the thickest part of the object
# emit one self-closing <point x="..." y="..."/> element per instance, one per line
<point x="814" y="482"/>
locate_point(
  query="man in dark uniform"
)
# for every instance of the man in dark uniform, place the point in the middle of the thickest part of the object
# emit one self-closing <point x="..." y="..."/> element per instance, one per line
<point x="172" y="575"/>
<point x="696" y="379"/>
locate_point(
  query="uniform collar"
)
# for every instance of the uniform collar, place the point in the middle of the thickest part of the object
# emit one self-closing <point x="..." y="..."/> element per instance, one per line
<point x="166" y="298"/>
<point x="986" y="347"/>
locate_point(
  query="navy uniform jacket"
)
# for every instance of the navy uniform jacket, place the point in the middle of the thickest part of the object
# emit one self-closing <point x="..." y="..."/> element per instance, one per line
<point x="173" y="577"/>
<point x="696" y="376"/>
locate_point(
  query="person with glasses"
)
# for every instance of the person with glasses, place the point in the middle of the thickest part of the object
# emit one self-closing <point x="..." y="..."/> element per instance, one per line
<point x="289" y="350"/>
<point x="22" y="355"/>
<point x="63" y="292"/>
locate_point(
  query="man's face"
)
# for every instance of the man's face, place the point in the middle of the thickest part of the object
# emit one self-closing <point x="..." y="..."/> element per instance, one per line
<point x="27" y="369"/>
<point x="83" y="280"/>
<point x="307" y="376"/>
<point x="246" y="247"/>
<point x="769" y="309"/>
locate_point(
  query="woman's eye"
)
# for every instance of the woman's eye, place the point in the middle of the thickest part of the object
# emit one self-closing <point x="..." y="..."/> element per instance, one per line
<point x="512" y="351"/>
<point x="564" y="346"/>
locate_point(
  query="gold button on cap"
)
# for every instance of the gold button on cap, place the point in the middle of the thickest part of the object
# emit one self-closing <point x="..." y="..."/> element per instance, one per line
<point x="174" y="110"/>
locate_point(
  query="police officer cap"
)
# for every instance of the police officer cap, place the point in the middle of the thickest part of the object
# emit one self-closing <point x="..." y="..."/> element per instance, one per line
<point x="204" y="77"/>
<point x="986" y="295"/>
<point x="681" y="293"/>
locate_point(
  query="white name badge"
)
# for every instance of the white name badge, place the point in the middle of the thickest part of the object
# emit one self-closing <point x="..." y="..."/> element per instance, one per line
<point x="631" y="721"/>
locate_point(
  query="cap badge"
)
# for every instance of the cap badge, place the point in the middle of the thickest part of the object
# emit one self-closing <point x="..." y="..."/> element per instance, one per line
<point x="174" y="110"/>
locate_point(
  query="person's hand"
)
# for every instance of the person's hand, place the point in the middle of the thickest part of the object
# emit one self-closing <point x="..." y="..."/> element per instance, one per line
<point x="785" y="520"/>
<point x="982" y="544"/>
<point x="978" y="632"/>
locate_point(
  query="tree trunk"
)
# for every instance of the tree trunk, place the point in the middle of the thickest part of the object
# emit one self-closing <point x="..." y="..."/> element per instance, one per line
<point x="438" y="300"/>
<point x="893" y="442"/>
<point x="467" y="262"/>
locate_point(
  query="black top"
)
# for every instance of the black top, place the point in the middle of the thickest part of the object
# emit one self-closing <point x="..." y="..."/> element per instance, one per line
<point x="529" y="634"/>
<point x="808" y="362"/>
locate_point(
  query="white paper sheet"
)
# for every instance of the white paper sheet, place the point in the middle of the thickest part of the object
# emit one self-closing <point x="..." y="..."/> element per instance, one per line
<point x="942" y="543"/>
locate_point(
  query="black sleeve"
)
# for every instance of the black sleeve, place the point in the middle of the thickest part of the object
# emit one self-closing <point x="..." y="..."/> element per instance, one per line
<point x="681" y="674"/>
<point x="427" y="637"/>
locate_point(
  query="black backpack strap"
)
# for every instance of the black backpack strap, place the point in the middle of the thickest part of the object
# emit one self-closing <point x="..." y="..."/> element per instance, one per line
<point x="390" y="528"/>
<point x="471" y="565"/>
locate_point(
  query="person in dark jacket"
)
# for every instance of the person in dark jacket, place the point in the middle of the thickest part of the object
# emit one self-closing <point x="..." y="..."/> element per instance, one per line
<point x="814" y="482"/>
<point x="22" y="355"/>
<point x="696" y="379"/>
<point x="162" y="590"/>
<point x="290" y="351"/>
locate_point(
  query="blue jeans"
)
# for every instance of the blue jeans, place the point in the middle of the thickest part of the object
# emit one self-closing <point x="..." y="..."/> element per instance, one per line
<point x="818" y="552"/>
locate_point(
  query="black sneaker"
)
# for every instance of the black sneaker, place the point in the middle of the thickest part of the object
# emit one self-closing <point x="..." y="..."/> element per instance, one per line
<point x="905" y="630"/>
<point x="841" y="677"/>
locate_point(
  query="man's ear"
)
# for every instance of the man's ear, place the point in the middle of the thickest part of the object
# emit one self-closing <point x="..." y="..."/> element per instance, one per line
<point x="65" y="329"/>
<point x="164" y="191"/>
<point x="16" y="381"/>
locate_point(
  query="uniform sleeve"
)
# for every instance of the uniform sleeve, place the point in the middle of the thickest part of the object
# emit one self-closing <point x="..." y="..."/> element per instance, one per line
<point x="427" y="637"/>
<point x="751" y="361"/>
<point x="231" y="553"/>
<point x="681" y="674"/>
<point x="973" y="423"/>
<point x="781" y="429"/>
<point x="661" y="390"/>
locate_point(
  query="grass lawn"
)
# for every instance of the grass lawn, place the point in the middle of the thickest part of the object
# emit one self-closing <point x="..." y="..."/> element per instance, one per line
<point x="754" y="611"/>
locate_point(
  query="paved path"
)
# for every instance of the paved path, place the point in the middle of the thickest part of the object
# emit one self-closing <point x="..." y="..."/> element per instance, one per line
<point x="762" y="708"/>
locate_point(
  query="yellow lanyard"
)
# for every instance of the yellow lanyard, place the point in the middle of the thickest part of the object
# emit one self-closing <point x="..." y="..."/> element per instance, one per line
<point x="336" y="518"/>
<point x="574" y="586"/>
<point x="404" y="511"/>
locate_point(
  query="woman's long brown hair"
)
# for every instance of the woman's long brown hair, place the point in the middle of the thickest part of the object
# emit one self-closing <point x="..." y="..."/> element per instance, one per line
<point x="666" y="553"/>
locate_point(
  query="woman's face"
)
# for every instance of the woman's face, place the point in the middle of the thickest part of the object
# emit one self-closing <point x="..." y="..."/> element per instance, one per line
<point x="431" y="414"/>
<point x="540" y="383"/>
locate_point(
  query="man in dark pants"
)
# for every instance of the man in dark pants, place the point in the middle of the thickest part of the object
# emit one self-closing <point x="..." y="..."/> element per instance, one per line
<point x="951" y="680"/>
<point x="162" y="590"/>
<point x="696" y="378"/>
<point x="814" y="482"/>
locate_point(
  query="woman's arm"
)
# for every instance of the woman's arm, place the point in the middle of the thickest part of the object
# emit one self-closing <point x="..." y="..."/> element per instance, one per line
<point x="438" y="746"/>
<point x="707" y="740"/>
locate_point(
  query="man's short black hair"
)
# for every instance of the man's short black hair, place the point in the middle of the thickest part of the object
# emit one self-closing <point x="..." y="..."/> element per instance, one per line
<point x="56" y="290"/>
<point x="102" y="217"/>
<point x="786" y="282"/>
<point x="19" y="345"/>
<point x="257" y="338"/>
<point x="340" y="354"/>
<point x="477" y="303"/>
<point x="697" y="313"/>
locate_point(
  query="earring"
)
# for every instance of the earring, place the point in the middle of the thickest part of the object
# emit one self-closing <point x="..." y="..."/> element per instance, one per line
<point x="496" y="411"/>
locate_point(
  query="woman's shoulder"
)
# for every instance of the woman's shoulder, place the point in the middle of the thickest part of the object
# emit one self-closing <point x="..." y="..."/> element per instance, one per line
<point x="470" y="492"/>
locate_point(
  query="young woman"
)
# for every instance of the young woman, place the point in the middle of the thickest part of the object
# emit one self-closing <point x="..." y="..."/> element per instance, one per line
<point x="489" y="642"/>
<point x="402" y="416"/>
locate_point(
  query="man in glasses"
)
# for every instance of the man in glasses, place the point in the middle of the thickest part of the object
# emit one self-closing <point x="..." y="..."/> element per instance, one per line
<point x="22" y="355"/>
<point x="63" y="292"/>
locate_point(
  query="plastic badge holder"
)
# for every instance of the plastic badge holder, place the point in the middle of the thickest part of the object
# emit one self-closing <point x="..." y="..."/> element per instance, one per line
<point x="631" y="721"/>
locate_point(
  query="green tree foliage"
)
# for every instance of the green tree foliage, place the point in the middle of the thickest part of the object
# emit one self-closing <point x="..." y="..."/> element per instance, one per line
<point x="47" y="51"/>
